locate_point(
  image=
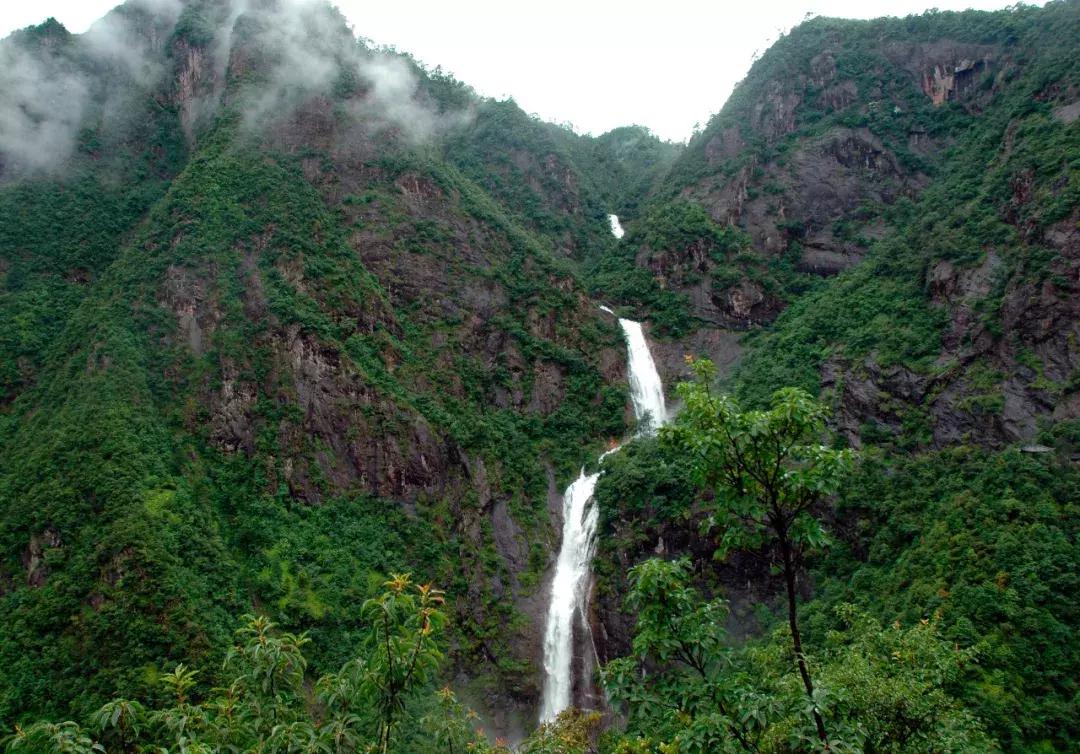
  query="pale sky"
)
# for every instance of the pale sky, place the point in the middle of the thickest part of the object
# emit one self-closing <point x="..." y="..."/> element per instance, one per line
<point x="596" y="64"/>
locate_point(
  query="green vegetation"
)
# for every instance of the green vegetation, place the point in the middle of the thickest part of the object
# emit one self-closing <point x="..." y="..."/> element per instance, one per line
<point x="1000" y="174"/>
<point x="965" y="553"/>
<point x="259" y="366"/>
<point x="687" y="688"/>
<point x="382" y="700"/>
<point x="216" y="396"/>
<point x="986" y="542"/>
<point x="879" y="307"/>
<point x="770" y="473"/>
<point x="624" y="164"/>
<point x="266" y="702"/>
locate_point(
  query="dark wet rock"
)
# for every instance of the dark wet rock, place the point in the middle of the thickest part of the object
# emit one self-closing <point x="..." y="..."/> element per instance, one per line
<point x="721" y="346"/>
<point x="33" y="558"/>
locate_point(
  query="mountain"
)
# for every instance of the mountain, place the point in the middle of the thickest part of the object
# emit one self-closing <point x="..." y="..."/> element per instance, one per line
<point x="286" y="314"/>
<point x="925" y="162"/>
<point x="889" y="210"/>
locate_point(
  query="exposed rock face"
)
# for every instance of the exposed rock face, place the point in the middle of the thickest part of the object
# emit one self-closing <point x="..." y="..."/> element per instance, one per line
<point x="840" y="96"/>
<point x="721" y="346"/>
<point x="746" y="304"/>
<point x="418" y="188"/>
<point x="33" y="559"/>
<point x="1068" y="113"/>
<point x="724" y="146"/>
<point x="689" y="270"/>
<point x="985" y="388"/>
<point x="813" y="199"/>
<point x="814" y="196"/>
<point x="184" y="294"/>
<point x="349" y="434"/>
<point x="193" y="80"/>
<point x="232" y="423"/>
<point x="774" y="115"/>
<point x="824" y="181"/>
<point x="946" y="70"/>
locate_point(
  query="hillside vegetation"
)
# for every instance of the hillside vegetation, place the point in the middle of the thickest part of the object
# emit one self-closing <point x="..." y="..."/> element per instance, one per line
<point x="303" y="340"/>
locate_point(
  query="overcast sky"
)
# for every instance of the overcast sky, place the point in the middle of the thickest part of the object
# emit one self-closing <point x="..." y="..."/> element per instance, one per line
<point x="595" y="64"/>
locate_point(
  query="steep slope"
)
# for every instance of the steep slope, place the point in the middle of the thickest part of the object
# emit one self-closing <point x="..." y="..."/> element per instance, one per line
<point x="287" y="314"/>
<point x="977" y="272"/>
<point x="325" y="353"/>
<point x="120" y="149"/>
<point x="890" y="209"/>
<point x="928" y="163"/>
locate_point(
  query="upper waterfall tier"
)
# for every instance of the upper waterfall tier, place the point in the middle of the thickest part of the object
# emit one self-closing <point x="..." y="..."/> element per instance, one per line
<point x="646" y="389"/>
<point x="616" y="226"/>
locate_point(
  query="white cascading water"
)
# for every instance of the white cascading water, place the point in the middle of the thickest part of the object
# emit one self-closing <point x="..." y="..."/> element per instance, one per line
<point x="569" y="587"/>
<point x="646" y="389"/>
<point x="616" y="226"/>
<point x="568" y="593"/>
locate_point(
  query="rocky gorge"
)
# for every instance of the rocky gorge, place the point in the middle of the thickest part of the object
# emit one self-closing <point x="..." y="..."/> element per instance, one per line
<point x="275" y="331"/>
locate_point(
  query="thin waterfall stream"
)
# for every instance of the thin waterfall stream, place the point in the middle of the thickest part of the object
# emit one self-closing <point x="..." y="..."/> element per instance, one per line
<point x="616" y="226"/>
<point x="570" y="584"/>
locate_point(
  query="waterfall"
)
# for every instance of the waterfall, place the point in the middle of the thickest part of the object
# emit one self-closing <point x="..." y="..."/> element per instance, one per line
<point x="570" y="585"/>
<point x="646" y="389"/>
<point x="616" y="226"/>
<point x="568" y="593"/>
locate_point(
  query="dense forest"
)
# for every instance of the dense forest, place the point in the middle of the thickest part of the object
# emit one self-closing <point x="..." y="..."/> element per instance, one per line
<point x="303" y="340"/>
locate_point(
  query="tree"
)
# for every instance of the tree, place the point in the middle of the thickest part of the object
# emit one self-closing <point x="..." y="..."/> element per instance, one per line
<point x="571" y="732"/>
<point x="265" y="705"/>
<point x="678" y="685"/>
<point x="65" y="738"/>
<point x="403" y="649"/>
<point x="686" y="690"/>
<point x="770" y="472"/>
<point x="889" y="687"/>
<point x="452" y="728"/>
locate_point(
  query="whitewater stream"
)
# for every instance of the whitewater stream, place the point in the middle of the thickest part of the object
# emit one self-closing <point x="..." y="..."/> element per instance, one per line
<point x="570" y="585"/>
<point x="616" y="226"/>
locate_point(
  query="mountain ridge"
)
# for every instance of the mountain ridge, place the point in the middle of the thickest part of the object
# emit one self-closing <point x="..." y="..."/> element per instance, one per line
<point x="292" y="314"/>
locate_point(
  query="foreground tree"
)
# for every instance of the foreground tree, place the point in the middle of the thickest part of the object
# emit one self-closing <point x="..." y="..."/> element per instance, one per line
<point x="769" y="471"/>
<point x="381" y="702"/>
<point x="574" y="731"/>
<point x="403" y="650"/>
<point x="679" y="684"/>
<point x="685" y="690"/>
<point x="266" y="704"/>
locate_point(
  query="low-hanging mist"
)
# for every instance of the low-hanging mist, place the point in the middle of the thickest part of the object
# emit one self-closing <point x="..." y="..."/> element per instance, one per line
<point x="296" y="49"/>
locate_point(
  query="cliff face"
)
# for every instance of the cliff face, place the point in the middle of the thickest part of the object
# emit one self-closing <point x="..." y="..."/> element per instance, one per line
<point x="923" y="157"/>
<point x="885" y="214"/>
<point x="335" y="332"/>
<point x="289" y="314"/>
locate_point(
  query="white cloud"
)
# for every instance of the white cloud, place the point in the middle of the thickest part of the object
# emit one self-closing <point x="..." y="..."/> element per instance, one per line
<point x="306" y="50"/>
<point x="595" y="63"/>
<point x="40" y="110"/>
